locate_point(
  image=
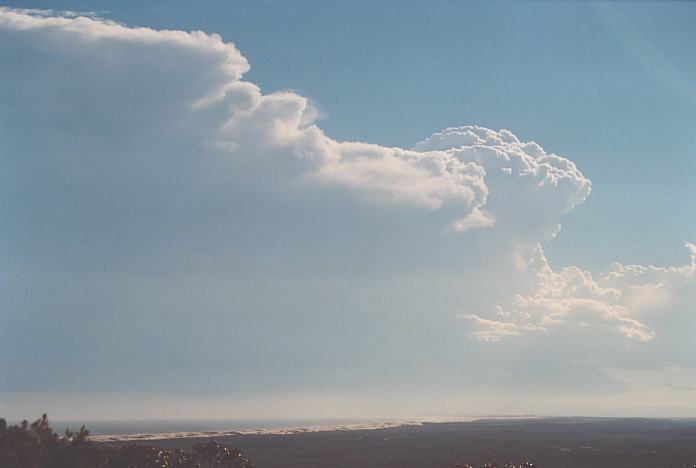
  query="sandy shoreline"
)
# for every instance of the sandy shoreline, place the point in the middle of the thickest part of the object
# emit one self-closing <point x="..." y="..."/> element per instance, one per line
<point x="155" y="436"/>
<point x="549" y="442"/>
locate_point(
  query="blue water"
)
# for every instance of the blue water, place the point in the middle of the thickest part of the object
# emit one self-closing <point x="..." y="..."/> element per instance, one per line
<point x="149" y="426"/>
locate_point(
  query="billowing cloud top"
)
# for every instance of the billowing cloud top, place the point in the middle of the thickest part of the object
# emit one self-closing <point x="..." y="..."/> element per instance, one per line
<point x="521" y="174"/>
<point x="136" y="153"/>
<point x="196" y="83"/>
<point x="572" y="299"/>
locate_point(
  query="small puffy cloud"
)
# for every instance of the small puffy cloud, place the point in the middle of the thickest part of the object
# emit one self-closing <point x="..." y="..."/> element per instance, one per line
<point x="478" y="218"/>
<point x="692" y="251"/>
<point x="491" y="330"/>
<point x="571" y="299"/>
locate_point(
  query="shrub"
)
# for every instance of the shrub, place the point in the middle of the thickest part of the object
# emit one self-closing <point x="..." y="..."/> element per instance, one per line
<point x="38" y="446"/>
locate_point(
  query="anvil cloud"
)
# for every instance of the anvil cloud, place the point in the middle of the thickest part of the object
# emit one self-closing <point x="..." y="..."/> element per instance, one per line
<point x="147" y="186"/>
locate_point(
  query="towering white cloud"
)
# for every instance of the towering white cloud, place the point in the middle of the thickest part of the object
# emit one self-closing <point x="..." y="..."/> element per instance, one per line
<point x="189" y="86"/>
<point x="530" y="187"/>
<point x="132" y="156"/>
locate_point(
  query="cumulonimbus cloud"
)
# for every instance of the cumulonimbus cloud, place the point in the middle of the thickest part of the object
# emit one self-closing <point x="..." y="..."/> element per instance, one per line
<point x="110" y="129"/>
<point x="235" y="118"/>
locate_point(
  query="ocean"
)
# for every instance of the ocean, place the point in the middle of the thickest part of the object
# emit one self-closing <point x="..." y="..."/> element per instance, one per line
<point x="151" y="429"/>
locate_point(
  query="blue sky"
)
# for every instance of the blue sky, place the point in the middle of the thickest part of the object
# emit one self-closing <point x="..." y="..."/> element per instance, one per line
<point x="353" y="286"/>
<point x="610" y="84"/>
<point x="569" y="75"/>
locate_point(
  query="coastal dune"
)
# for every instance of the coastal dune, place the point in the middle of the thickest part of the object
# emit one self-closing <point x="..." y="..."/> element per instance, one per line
<point x="548" y="442"/>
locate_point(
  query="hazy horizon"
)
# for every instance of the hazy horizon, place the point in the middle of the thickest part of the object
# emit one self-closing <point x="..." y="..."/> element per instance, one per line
<point x="347" y="210"/>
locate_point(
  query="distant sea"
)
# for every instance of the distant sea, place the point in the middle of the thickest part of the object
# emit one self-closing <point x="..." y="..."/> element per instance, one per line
<point x="151" y="429"/>
<point x="123" y="427"/>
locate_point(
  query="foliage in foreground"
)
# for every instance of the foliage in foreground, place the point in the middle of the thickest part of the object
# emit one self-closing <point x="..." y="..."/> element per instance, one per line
<point x="38" y="446"/>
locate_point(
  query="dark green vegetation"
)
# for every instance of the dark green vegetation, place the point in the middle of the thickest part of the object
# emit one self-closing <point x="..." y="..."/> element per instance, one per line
<point x="36" y="445"/>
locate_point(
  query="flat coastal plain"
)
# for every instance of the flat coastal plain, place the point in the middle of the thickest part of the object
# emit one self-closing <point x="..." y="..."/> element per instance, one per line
<point x="548" y="442"/>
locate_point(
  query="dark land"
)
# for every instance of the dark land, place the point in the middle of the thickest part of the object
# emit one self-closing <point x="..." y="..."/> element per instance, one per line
<point x="548" y="443"/>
